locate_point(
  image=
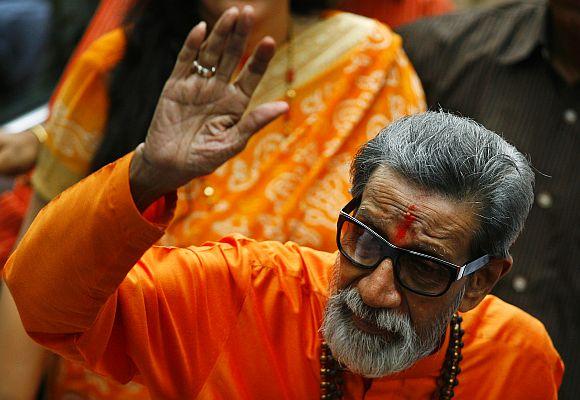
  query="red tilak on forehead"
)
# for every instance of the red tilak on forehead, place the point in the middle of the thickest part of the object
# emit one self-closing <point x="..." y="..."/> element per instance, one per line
<point x="404" y="225"/>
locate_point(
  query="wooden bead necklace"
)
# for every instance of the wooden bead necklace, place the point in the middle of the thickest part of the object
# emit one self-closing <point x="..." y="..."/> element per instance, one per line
<point x="331" y="385"/>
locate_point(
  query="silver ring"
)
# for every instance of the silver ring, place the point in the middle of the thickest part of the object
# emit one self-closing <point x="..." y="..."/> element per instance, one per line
<point x="202" y="71"/>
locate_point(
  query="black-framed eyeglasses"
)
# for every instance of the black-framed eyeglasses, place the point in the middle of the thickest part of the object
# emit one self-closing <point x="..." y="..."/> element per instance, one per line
<point x="420" y="273"/>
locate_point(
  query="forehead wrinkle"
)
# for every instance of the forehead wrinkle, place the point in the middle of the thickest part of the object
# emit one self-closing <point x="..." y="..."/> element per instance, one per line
<point x="388" y="221"/>
<point x="384" y="205"/>
<point x="443" y="231"/>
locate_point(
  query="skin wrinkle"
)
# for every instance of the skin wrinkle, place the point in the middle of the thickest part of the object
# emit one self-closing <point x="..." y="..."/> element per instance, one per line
<point x="403" y="227"/>
<point x="440" y="223"/>
<point x="447" y="201"/>
<point x="436" y="225"/>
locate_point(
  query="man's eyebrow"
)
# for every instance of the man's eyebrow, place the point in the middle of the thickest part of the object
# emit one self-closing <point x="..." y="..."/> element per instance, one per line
<point x="423" y="249"/>
<point x="363" y="215"/>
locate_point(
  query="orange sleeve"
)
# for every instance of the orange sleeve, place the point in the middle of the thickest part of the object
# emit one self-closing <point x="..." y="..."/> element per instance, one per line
<point x="89" y="286"/>
<point x="103" y="197"/>
<point x="92" y="299"/>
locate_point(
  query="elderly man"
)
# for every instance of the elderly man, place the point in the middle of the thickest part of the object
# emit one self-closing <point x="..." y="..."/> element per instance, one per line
<point x="521" y="59"/>
<point x="401" y="311"/>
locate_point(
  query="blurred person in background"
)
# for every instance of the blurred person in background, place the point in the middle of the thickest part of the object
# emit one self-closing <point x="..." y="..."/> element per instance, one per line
<point x="24" y="33"/>
<point x="24" y="29"/>
<point x="516" y="69"/>
<point x="57" y="28"/>
<point x="65" y="21"/>
<point x="284" y="185"/>
<point x="397" y="12"/>
<point x="18" y="151"/>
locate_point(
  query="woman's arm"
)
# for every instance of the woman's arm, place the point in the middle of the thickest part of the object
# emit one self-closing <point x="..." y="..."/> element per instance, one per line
<point x="18" y="152"/>
<point x="22" y="361"/>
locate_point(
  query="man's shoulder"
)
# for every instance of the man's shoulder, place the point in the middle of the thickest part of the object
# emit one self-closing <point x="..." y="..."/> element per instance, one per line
<point x="509" y="353"/>
<point x="488" y="29"/>
<point x="287" y="260"/>
<point x="507" y="326"/>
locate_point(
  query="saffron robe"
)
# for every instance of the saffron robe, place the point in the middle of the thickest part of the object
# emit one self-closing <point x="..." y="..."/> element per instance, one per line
<point x="231" y="319"/>
<point x="293" y="174"/>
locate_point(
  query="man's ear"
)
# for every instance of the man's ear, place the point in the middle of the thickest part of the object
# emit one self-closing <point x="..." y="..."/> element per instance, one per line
<point x="481" y="282"/>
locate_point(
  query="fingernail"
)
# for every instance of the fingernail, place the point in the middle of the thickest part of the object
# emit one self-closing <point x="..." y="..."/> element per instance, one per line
<point x="202" y="24"/>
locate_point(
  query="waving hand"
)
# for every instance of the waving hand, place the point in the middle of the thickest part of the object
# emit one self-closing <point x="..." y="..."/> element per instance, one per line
<point x="200" y="121"/>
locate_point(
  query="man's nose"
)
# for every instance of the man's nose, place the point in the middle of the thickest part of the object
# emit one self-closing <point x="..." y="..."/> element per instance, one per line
<point x="378" y="289"/>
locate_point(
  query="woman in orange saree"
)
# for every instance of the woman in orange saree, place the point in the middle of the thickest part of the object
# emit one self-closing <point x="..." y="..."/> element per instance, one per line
<point x="344" y="76"/>
<point x="13" y="204"/>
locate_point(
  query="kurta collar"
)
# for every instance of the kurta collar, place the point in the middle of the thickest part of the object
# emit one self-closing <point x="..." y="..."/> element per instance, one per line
<point x="531" y="35"/>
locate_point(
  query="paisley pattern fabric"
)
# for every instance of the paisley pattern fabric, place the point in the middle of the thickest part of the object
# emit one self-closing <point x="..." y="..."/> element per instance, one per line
<point x="292" y="178"/>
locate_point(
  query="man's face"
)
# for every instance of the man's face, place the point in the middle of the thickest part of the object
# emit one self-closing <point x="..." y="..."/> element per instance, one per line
<point x="372" y="324"/>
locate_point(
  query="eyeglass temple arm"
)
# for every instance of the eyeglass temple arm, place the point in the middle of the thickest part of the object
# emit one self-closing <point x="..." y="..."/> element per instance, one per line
<point x="473" y="266"/>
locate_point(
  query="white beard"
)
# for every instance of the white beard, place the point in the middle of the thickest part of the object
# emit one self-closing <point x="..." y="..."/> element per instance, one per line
<point x="374" y="355"/>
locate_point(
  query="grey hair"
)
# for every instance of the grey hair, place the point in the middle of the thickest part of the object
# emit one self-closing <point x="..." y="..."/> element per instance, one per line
<point x="459" y="159"/>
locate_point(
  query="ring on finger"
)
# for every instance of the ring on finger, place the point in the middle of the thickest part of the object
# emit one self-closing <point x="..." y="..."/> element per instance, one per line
<point x="205" y="72"/>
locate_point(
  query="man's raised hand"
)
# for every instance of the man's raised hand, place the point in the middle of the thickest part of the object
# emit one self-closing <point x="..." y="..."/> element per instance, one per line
<point x="199" y="122"/>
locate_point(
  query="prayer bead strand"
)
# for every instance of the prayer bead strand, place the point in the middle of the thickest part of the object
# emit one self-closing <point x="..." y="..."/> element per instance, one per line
<point x="331" y="381"/>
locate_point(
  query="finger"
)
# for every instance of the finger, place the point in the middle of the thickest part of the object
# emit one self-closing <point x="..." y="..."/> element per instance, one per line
<point x="236" y="44"/>
<point x="212" y="49"/>
<point x="260" y="117"/>
<point x="256" y="66"/>
<point x="188" y="52"/>
<point x="5" y="164"/>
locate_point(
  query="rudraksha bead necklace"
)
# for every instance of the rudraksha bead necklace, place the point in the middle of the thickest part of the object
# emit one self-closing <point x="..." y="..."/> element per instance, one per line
<point x="331" y="380"/>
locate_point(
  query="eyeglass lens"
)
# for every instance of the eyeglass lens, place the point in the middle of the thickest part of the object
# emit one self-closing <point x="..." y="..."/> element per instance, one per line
<point x="414" y="272"/>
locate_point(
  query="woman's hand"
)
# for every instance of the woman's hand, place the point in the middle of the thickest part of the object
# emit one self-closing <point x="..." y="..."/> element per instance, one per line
<point x="18" y="152"/>
<point x="200" y="122"/>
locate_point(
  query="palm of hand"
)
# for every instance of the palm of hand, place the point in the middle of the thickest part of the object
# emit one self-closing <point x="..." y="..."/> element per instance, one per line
<point x="200" y="122"/>
<point x="195" y="125"/>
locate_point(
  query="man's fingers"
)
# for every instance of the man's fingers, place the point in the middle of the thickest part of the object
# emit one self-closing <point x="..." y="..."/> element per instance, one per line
<point x="236" y="44"/>
<point x="212" y="49"/>
<point x="256" y="66"/>
<point x="188" y="52"/>
<point x="260" y="117"/>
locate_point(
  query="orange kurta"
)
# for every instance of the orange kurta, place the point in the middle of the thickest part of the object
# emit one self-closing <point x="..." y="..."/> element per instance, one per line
<point x="292" y="176"/>
<point x="234" y="319"/>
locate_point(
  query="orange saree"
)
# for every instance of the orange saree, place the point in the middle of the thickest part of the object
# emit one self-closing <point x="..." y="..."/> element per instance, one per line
<point x="13" y="204"/>
<point x="292" y="177"/>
